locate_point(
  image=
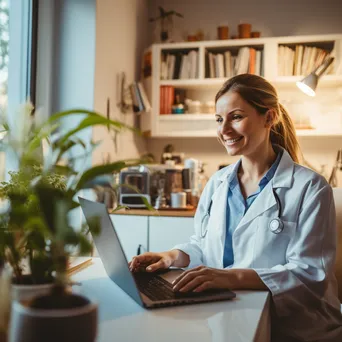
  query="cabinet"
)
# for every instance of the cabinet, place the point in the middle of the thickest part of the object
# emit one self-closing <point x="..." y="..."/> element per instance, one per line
<point x="204" y="84"/>
<point x="132" y="232"/>
<point x="166" y="232"/>
<point x="139" y="234"/>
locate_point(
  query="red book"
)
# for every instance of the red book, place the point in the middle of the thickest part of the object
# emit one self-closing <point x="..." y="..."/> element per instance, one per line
<point x="252" y="55"/>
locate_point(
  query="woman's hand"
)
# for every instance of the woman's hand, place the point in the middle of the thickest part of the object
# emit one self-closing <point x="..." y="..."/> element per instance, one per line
<point x="152" y="261"/>
<point x="203" y="278"/>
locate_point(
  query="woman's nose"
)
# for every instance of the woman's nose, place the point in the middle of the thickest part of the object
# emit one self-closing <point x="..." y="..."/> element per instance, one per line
<point x="225" y="127"/>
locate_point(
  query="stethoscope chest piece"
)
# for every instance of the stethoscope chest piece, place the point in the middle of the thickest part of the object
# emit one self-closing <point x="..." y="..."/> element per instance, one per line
<point x="276" y="226"/>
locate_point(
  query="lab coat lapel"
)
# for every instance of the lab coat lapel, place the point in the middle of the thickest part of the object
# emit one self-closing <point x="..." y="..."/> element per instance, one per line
<point x="219" y="208"/>
<point x="262" y="203"/>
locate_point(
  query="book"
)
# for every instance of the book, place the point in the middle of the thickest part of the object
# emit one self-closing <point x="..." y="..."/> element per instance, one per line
<point x="227" y="64"/>
<point x="144" y="98"/>
<point x="252" y="61"/>
<point x="219" y="65"/>
<point x="258" y="62"/>
<point x="211" y="65"/>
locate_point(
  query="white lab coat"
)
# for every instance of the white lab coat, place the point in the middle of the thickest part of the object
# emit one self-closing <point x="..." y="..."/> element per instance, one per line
<point x="296" y="264"/>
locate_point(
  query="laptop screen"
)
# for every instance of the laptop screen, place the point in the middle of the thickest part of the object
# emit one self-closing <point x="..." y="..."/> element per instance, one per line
<point x="109" y="247"/>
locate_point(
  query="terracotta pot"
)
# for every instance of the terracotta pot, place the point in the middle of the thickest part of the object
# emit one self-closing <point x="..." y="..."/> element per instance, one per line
<point x="223" y="32"/>
<point x="255" y="34"/>
<point x="244" y="30"/>
<point x="54" y="325"/>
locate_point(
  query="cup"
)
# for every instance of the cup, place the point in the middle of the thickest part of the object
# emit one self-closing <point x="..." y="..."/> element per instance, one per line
<point x="255" y="34"/>
<point x="244" y="30"/>
<point x="178" y="199"/>
<point x="222" y="32"/>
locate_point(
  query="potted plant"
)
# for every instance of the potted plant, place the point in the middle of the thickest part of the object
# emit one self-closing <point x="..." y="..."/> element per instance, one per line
<point x="165" y="19"/>
<point x="36" y="225"/>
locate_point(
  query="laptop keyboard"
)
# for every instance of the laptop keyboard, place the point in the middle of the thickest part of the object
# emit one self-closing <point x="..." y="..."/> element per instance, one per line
<point x="157" y="288"/>
<point x="154" y="287"/>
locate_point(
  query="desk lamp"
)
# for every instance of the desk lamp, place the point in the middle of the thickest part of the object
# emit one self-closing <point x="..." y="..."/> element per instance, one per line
<point x="308" y="84"/>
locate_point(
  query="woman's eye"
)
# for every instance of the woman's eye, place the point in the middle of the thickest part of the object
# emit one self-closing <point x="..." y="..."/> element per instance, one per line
<point x="219" y="120"/>
<point x="236" y="117"/>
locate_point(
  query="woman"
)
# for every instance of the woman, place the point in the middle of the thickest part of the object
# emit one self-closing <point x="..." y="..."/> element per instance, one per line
<point x="265" y="222"/>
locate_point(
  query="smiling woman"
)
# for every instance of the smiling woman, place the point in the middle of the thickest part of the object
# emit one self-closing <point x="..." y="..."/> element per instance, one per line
<point x="268" y="222"/>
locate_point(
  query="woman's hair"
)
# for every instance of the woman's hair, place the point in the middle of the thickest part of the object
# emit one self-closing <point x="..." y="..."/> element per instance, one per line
<point x="260" y="94"/>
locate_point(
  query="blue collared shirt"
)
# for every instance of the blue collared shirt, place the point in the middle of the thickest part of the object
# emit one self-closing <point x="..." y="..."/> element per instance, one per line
<point x="237" y="206"/>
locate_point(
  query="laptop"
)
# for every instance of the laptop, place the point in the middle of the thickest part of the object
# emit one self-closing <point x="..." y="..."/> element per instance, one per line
<point x="150" y="290"/>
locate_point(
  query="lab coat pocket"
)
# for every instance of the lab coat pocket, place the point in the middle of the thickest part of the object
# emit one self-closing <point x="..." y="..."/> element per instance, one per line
<point x="270" y="248"/>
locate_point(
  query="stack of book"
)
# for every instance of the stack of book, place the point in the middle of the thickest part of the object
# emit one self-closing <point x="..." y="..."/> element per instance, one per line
<point x="139" y="98"/>
<point x="248" y="60"/>
<point x="300" y="60"/>
<point x="167" y="99"/>
<point x="179" y="65"/>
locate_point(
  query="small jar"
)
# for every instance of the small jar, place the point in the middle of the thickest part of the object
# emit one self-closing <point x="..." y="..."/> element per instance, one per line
<point x="178" y="109"/>
<point x="208" y="107"/>
<point x="195" y="107"/>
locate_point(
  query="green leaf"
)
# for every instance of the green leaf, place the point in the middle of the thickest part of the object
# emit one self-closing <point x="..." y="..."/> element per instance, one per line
<point x="95" y="120"/>
<point x="98" y="171"/>
<point x="76" y="111"/>
<point x="118" y="208"/>
<point x="85" y="246"/>
<point x="40" y="135"/>
<point x="94" y="225"/>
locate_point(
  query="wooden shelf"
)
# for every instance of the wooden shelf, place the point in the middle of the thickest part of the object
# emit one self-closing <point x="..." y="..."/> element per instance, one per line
<point x="326" y="80"/>
<point x="186" y="117"/>
<point x="194" y="83"/>
<point x="316" y="133"/>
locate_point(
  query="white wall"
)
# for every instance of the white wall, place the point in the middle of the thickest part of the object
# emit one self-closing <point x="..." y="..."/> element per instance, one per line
<point x="272" y="18"/>
<point x="121" y="33"/>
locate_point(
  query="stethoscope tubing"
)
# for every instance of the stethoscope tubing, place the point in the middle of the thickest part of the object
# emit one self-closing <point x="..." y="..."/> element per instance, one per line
<point x="276" y="225"/>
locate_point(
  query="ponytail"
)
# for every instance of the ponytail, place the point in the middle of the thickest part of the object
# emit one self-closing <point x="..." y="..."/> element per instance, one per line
<point x="283" y="133"/>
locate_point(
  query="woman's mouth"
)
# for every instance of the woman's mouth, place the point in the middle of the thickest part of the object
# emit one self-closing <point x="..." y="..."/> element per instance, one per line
<point x="230" y="142"/>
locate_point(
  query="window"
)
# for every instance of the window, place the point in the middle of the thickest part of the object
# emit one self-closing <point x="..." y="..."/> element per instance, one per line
<point x="4" y="48"/>
<point x="17" y="23"/>
<point x="4" y="42"/>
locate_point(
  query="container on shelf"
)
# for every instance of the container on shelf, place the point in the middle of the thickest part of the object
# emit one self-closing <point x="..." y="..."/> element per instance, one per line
<point x="223" y="32"/>
<point x="244" y="30"/>
<point x="194" y="107"/>
<point x="178" y="109"/>
<point x="208" y="107"/>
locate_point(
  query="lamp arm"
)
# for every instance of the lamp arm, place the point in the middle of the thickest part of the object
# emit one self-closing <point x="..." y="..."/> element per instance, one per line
<point x="323" y="67"/>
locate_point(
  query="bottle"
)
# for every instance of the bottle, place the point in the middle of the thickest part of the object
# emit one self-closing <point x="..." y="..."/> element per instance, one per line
<point x="202" y="178"/>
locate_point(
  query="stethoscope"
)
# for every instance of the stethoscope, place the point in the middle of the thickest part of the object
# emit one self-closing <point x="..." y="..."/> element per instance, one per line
<point x="276" y="225"/>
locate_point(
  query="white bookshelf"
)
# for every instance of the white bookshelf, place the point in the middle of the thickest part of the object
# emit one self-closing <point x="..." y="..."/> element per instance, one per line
<point x="204" y="125"/>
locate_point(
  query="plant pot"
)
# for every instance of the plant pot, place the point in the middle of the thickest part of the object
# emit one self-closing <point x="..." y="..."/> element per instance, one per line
<point x="41" y="324"/>
<point x="25" y="293"/>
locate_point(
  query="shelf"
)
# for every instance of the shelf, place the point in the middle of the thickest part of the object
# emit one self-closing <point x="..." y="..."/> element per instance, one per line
<point x="316" y="133"/>
<point x="213" y="134"/>
<point x="326" y="80"/>
<point x="186" y="117"/>
<point x="194" y="83"/>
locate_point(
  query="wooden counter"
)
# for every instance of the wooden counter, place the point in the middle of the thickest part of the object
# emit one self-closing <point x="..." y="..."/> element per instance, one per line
<point x="166" y="212"/>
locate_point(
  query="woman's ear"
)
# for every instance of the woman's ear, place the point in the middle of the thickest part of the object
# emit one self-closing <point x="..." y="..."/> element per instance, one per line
<point x="270" y="118"/>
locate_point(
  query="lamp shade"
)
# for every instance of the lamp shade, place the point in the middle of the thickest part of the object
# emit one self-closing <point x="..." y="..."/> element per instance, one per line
<point x="309" y="83"/>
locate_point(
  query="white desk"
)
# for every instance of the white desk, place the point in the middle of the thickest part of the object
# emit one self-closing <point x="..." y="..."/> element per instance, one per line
<point x="121" y="319"/>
